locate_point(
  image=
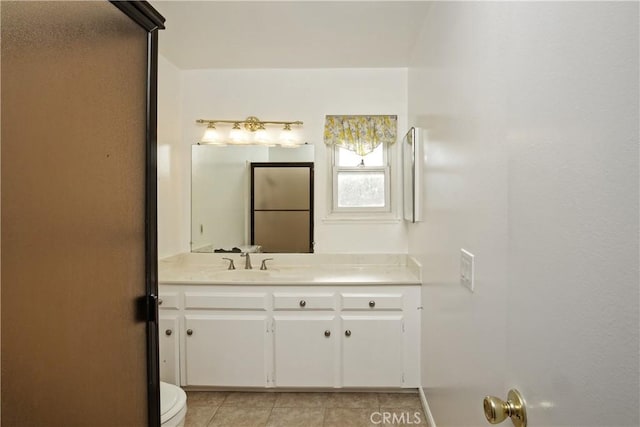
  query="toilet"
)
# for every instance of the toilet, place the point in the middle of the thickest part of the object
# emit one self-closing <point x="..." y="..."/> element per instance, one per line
<point x="173" y="405"/>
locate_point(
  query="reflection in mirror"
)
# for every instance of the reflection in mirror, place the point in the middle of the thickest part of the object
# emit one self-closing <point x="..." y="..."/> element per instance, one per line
<point x="282" y="206"/>
<point x="220" y="192"/>
<point x="413" y="158"/>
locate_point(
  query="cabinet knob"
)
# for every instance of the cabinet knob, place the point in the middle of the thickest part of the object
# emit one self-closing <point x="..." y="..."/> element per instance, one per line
<point x="159" y="301"/>
<point x="189" y="332"/>
<point x="327" y="333"/>
<point x="347" y="333"/>
<point x="372" y="303"/>
<point x="168" y="332"/>
<point x="303" y="303"/>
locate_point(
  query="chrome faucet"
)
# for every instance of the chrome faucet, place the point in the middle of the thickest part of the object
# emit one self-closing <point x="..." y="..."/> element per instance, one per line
<point x="247" y="262"/>
<point x="263" y="266"/>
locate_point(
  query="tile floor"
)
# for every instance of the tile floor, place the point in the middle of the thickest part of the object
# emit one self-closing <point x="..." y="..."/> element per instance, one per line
<point x="304" y="409"/>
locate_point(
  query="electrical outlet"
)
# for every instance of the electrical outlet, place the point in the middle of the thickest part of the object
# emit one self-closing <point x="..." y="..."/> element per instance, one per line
<point x="466" y="269"/>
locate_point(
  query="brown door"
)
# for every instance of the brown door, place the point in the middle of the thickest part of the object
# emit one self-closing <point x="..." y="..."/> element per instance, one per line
<point x="76" y="241"/>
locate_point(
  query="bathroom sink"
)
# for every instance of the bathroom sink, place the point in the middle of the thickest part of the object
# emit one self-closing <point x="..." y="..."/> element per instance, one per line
<point x="243" y="275"/>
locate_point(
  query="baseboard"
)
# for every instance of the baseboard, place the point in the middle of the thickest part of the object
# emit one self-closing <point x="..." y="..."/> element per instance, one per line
<point x="425" y="408"/>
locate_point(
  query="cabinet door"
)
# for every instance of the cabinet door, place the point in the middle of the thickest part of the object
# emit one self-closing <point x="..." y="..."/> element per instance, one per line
<point x="226" y="350"/>
<point x="169" y="349"/>
<point x="372" y="351"/>
<point x="305" y="351"/>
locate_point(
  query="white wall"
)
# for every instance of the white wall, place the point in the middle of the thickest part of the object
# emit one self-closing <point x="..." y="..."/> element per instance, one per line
<point x="307" y="95"/>
<point x="174" y="169"/>
<point x="532" y="112"/>
<point x="456" y="93"/>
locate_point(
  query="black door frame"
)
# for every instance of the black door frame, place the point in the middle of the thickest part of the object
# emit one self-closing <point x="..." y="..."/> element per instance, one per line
<point x="148" y="18"/>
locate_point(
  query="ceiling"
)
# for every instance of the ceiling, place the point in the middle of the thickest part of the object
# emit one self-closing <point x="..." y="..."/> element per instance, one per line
<point x="290" y="34"/>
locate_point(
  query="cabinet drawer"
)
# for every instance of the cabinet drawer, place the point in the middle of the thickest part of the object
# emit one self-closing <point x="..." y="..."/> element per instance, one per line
<point x="372" y="302"/>
<point x="301" y="301"/>
<point x="168" y="300"/>
<point x="225" y="301"/>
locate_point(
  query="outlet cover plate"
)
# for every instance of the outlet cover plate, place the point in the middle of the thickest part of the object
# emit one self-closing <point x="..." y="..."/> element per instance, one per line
<point x="466" y="269"/>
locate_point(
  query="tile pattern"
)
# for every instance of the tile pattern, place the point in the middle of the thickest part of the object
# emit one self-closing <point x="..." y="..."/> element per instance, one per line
<point x="303" y="409"/>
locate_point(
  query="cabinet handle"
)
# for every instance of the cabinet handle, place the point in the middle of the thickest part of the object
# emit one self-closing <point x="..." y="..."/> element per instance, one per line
<point x="159" y="301"/>
<point x="189" y="332"/>
<point x="168" y="332"/>
<point x="347" y="333"/>
<point x="302" y="303"/>
<point x="327" y="333"/>
<point x="372" y="303"/>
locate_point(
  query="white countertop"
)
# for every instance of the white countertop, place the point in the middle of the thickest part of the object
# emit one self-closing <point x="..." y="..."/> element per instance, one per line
<point x="291" y="269"/>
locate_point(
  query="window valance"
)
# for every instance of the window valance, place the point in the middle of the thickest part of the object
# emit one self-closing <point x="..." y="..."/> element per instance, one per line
<point x="360" y="134"/>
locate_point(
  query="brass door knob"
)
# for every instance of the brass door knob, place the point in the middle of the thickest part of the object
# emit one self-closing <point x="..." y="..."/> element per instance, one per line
<point x="497" y="410"/>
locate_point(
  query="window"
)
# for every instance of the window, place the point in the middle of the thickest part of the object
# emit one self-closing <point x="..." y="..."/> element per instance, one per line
<point x="360" y="175"/>
<point x="361" y="183"/>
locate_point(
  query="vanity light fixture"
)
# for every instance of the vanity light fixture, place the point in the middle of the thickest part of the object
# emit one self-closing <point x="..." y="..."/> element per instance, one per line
<point x="251" y="131"/>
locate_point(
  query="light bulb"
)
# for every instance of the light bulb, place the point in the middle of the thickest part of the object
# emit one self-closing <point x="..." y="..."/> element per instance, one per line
<point x="237" y="135"/>
<point x="211" y="135"/>
<point x="288" y="137"/>
<point x="262" y="136"/>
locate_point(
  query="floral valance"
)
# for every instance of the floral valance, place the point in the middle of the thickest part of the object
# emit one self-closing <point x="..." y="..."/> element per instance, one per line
<point x="360" y="134"/>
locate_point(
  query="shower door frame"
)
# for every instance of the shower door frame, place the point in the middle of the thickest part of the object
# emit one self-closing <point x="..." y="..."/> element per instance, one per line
<point x="310" y="166"/>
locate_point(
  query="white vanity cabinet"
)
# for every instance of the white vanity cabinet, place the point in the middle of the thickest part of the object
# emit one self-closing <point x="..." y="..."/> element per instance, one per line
<point x="374" y="336"/>
<point x="169" y="343"/>
<point x="372" y="351"/>
<point x="169" y="338"/>
<point x="225" y="337"/>
<point x="306" y="338"/>
<point x="304" y="350"/>
<point x="298" y="336"/>
<point x="225" y="350"/>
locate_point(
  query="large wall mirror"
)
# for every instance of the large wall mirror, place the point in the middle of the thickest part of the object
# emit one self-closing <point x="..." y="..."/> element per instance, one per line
<point x="221" y="192"/>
